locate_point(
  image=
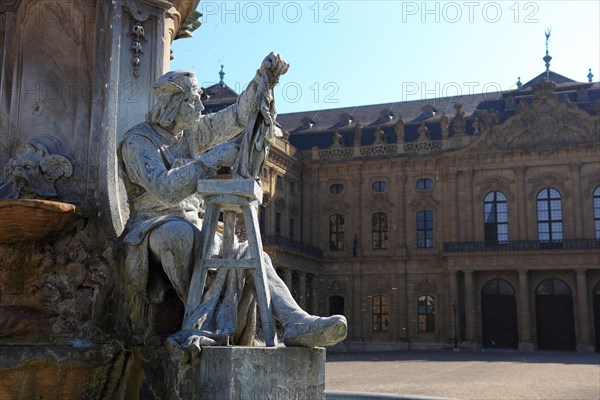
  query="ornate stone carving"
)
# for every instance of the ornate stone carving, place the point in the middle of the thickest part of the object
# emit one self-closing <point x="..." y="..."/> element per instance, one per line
<point x="424" y="201"/>
<point x="337" y="140"/>
<point x="423" y="133"/>
<point x="444" y="125"/>
<point x="137" y="35"/>
<point x="378" y="150"/>
<point x="423" y="147"/>
<point x="358" y="130"/>
<point x="33" y="172"/>
<point x="336" y="207"/>
<point x="379" y="202"/>
<point x="294" y="210"/>
<point x="496" y="184"/>
<point x="379" y="137"/>
<point x="399" y="128"/>
<point x="538" y="182"/>
<point x="335" y="154"/>
<point x="546" y="123"/>
<point x="458" y="122"/>
<point x="280" y="204"/>
<point x="426" y="286"/>
<point x="476" y="124"/>
<point x="487" y="119"/>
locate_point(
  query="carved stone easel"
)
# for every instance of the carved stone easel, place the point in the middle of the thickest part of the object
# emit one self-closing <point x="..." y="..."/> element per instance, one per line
<point x="232" y="197"/>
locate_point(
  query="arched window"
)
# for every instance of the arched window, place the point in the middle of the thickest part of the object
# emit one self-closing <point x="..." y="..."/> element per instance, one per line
<point x="495" y="217"/>
<point x="549" y="216"/>
<point x="379" y="230"/>
<point x="498" y="287"/>
<point x="336" y="305"/>
<point x="381" y="313"/>
<point x="426" y="313"/>
<point x="553" y="287"/>
<point x="336" y="232"/>
<point x="424" y="229"/>
<point x="597" y="213"/>
<point x="424" y="184"/>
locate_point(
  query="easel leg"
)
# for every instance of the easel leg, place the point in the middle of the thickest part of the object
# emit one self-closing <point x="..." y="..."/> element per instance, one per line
<point x="198" y="281"/>
<point x="263" y="294"/>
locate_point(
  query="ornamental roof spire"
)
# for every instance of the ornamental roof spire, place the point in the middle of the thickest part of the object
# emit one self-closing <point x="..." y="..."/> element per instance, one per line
<point x="221" y="74"/>
<point x="547" y="58"/>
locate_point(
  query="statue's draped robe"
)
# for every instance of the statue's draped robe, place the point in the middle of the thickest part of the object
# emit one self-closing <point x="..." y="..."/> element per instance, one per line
<point x="160" y="177"/>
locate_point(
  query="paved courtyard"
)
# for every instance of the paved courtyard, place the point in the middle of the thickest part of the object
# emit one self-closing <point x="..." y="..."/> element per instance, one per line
<point x="466" y="374"/>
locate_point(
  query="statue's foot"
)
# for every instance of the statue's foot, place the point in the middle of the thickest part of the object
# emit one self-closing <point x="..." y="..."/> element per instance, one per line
<point x="320" y="331"/>
<point x="188" y="343"/>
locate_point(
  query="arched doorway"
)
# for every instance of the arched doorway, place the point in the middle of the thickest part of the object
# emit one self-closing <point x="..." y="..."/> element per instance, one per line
<point x="499" y="314"/>
<point x="597" y="315"/>
<point x="554" y="316"/>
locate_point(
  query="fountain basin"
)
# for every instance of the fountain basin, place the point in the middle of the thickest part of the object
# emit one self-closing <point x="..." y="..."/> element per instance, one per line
<point x="34" y="219"/>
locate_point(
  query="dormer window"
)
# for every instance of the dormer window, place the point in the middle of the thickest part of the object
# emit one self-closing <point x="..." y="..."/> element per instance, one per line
<point x="307" y="123"/>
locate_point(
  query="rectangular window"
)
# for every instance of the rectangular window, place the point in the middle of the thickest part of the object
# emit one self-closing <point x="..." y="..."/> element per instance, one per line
<point x="426" y="314"/>
<point x="336" y="232"/>
<point x="292" y="228"/>
<point x="278" y="224"/>
<point x="424" y="229"/>
<point x="381" y="313"/>
<point x="262" y="211"/>
<point x="379" y="231"/>
<point x="495" y="215"/>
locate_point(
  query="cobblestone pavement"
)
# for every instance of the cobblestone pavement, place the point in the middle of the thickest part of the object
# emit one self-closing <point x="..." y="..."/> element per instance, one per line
<point x="492" y="374"/>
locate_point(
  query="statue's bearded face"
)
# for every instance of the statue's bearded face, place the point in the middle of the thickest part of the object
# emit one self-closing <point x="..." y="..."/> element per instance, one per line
<point x="191" y="106"/>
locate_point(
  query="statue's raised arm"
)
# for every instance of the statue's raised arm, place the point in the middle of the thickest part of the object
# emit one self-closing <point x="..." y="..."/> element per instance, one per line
<point x="260" y="131"/>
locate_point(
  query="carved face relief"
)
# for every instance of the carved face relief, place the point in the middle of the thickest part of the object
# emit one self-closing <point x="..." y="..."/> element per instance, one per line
<point x="33" y="172"/>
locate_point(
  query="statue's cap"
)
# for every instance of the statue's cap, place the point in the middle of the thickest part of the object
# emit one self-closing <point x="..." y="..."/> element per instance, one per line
<point x="173" y="82"/>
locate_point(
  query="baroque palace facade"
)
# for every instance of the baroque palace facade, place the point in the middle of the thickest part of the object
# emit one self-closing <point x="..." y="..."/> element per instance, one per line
<point x="469" y="221"/>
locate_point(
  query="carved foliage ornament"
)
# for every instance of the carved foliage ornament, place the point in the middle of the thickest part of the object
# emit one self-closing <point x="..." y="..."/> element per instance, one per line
<point x="548" y="180"/>
<point x="496" y="184"/>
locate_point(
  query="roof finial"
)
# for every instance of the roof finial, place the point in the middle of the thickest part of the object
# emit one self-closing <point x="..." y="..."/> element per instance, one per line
<point x="590" y="76"/>
<point x="221" y="74"/>
<point x="547" y="57"/>
<point x="519" y="83"/>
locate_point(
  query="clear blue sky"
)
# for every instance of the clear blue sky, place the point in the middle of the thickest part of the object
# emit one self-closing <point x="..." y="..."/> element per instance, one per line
<point x="347" y="53"/>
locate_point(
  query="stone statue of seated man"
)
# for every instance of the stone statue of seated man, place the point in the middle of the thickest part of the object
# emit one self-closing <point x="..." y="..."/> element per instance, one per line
<point x="162" y="159"/>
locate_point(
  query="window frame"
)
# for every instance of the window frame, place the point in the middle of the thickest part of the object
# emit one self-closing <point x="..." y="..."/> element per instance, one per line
<point x="549" y="197"/>
<point x="427" y="184"/>
<point x="334" y="308"/>
<point x="339" y="189"/>
<point x="423" y="240"/>
<point x="492" y="230"/>
<point x="380" y="313"/>
<point x="596" y="212"/>
<point x="379" y="230"/>
<point x="380" y="186"/>
<point x="339" y="232"/>
<point x="427" y="323"/>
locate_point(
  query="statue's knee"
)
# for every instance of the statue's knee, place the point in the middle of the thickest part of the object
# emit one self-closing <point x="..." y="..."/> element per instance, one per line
<point x="175" y="236"/>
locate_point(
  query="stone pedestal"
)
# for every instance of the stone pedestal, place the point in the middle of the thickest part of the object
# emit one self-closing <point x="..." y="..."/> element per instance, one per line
<point x="260" y="373"/>
<point x="225" y="373"/>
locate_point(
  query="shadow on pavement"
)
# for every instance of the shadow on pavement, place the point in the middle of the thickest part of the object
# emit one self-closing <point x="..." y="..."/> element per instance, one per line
<point x="485" y="355"/>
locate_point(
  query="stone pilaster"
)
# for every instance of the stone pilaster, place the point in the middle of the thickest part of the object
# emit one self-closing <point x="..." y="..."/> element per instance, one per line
<point x="302" y="289"/>
<point x="583" y="313"/>
<point x="525" y="342"/>
<point x="469" y="307"/>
